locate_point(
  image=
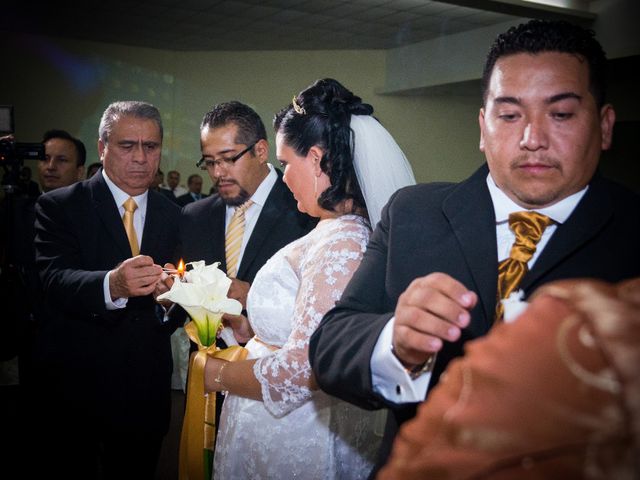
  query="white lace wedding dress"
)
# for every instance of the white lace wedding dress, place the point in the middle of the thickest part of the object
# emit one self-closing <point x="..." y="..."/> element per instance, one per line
<point x="295" y="432"/>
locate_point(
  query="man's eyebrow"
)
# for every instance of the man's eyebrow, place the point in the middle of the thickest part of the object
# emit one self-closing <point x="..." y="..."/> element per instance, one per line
<point x="552" y="99"/>
<point x="136" y="142"/>
<point x="507" y="100"/>
<point x="563" y="96"/>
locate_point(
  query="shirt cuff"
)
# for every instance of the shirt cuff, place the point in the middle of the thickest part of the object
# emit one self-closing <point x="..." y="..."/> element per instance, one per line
<point x="389" y="377"/>
<point x="116" y="304"/>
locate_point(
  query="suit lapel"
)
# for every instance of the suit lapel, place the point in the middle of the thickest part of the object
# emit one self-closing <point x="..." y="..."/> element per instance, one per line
<point x="271" y="212"/>
<point x="589" y="217"/>
<point x="107" y="210"/>
<point x="153" y="219"/>
<point x="215" y="247"/>
<point x="213" y="234"/>
<point x="469" y="211"/>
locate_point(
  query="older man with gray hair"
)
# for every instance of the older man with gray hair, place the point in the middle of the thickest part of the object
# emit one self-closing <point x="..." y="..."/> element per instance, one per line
<point x="104" y="357"/>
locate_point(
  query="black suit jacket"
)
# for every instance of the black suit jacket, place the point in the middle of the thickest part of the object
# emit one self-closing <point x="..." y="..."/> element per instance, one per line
<point x="167" y="193"/>
<point x="202" y="230"/>
<point x="450" y="228"/>
<point x="187" y="198"/>
<point x="109" y="369"/>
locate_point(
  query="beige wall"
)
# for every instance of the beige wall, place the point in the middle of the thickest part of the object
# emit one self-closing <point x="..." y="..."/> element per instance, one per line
<point x="54" y="83"/>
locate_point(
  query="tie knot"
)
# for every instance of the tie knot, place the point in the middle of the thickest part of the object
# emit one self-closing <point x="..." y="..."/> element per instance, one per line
<point x="240" y="209"/>
<point x="528" y="228"/>
<point x="529" y="224"/>
<point x="130" y="205"/>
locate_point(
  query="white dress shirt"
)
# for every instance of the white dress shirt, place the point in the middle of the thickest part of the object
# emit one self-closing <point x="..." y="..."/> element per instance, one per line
<point x="389" y="377"/>
<point x="139" y="216"/>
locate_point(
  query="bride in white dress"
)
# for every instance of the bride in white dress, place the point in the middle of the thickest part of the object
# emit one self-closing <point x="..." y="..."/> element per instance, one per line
<point x="341" y="166"/>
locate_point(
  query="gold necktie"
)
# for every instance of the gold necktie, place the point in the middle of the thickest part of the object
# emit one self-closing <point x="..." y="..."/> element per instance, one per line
<point x="233" y="238"/>
<point x="129" y="207"/>
<point x="528" y="227"/>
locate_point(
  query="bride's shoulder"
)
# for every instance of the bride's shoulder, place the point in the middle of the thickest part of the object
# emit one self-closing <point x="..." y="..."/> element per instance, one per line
<point x="348" y="231"/>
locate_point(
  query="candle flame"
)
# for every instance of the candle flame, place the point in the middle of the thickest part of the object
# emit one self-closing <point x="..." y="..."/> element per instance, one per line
<point x="180" y="268"/>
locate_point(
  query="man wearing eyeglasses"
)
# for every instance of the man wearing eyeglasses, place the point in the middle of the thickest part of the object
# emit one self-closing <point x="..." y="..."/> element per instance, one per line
<point x="235" y="153"/>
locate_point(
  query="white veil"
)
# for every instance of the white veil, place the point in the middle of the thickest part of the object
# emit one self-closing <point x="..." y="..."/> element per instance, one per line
<point x="381" y="166"/>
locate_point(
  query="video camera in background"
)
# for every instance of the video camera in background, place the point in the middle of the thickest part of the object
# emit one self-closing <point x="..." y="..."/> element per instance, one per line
<point x="12" y="153"/>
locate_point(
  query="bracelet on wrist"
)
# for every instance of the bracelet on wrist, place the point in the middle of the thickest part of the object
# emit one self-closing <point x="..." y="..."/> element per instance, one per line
<point x="218" y="377"/>
<point x="420" y="369"/>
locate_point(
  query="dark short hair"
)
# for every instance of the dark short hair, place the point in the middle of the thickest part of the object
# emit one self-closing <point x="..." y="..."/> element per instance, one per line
<point x="95" y="165"/>
<point x="192" y="176"/>
<point x="322" y="116"/>
<point x="63" y="134"/>
<point x="537" y="36"/>
<point x="250" y="126"/>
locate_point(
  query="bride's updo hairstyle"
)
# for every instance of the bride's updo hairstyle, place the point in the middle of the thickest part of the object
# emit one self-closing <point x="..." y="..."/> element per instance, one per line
<point x="320" y="115"/>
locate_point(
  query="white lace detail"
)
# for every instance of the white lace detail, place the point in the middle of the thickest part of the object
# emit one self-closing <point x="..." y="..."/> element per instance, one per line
<point x="324" y="263"/>
<point x="296" y="432"/>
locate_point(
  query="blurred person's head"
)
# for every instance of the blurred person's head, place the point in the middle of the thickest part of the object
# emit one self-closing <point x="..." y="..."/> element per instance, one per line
<point x="64" y="160"/>
<point x="157" y="180"/>
<point x="173" y="179"/>
<point x="93" y="169"/>
<point x="194" y="183"/>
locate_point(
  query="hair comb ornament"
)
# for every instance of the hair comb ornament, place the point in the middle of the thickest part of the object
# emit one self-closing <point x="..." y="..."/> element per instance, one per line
<point x="297" y="107"/>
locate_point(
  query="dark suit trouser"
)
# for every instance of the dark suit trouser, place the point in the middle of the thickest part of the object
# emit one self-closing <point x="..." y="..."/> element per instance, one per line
<point x="64" y="446"/>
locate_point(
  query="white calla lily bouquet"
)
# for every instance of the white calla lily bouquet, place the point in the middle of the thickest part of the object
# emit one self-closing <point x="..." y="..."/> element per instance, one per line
<point x="203" y="294"/>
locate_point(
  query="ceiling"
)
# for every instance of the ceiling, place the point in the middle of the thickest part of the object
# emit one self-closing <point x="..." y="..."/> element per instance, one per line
<point x="191" y="25"/>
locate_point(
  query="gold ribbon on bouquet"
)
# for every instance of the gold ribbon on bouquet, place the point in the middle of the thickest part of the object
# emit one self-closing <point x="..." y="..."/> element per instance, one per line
<point x="198" y="429"/>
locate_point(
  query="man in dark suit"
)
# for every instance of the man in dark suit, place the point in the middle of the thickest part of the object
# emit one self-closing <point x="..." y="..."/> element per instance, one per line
<point x="104" y="352"/>
<point x="428" y="280"/>
<point x="235" y="152"/>
<point x="194" y="184"/>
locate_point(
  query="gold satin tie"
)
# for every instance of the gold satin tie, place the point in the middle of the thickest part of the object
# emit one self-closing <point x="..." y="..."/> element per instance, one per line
<point x="528" y="227"/>
<point x="233" y="238"/>
<point x="130" y="206"/>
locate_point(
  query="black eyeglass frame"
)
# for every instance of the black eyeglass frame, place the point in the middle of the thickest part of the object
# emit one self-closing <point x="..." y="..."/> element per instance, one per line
<point x="203" y="164"/>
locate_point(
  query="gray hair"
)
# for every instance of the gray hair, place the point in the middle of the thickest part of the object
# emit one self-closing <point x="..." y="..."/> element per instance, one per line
<point x="117" y="110"/>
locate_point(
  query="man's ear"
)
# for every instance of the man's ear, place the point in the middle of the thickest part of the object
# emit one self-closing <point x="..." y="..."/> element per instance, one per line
<point x="101" y="147"/>
<point x="607" y="120"/>
<point x="261" y="150"/>
<point x="481" y="122"/>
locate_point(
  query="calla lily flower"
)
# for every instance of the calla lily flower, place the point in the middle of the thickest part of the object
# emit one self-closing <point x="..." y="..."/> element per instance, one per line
<point x="203" y="295"/>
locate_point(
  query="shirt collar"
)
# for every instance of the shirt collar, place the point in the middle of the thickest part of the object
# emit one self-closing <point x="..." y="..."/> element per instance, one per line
<point x="263" y="190"/>
<point x="120" y="196"/>
<point x="558" y="212"/>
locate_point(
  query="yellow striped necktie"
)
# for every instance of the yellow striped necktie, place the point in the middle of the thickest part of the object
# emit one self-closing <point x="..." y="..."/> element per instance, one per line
<point x="130" y="206"/>
<point x="233" y="238"/>
<point x="528" y="228"/>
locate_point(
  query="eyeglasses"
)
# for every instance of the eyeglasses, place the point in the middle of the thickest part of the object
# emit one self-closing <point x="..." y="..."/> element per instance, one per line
<point x="208" y="164"/>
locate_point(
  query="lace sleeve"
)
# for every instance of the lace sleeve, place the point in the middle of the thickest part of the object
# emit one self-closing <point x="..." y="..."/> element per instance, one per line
<point x="325" y="268"/>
